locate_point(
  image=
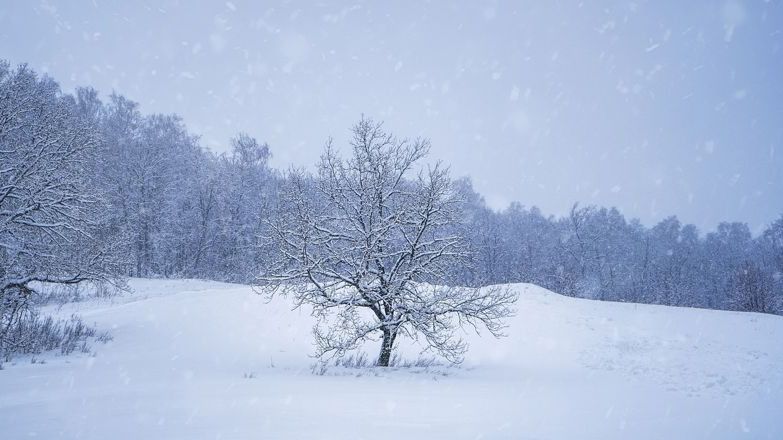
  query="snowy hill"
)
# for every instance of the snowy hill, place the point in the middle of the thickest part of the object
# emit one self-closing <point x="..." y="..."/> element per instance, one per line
<point x="196" y="359"/>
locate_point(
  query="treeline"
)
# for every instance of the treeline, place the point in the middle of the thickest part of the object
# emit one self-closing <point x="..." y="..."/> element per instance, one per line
<point x="597" y="253"/>
<point x="174" y="208"/>
<point x="92" y="189"/>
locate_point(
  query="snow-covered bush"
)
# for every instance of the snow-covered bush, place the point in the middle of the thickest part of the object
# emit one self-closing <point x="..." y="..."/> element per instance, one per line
<point x="32" y="333"/>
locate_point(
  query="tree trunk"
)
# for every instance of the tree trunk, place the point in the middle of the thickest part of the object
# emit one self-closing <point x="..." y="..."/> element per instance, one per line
<point x="389" y="335"/>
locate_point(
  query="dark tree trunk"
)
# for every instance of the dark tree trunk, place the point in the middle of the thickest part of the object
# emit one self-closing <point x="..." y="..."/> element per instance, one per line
<point x="389" y="335"/>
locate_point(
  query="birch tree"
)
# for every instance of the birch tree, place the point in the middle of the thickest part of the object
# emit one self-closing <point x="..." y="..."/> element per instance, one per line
<point x="366" y="242"/>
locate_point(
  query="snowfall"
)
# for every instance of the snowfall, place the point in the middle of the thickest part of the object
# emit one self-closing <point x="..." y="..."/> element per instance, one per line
<point x="195" y="359"/>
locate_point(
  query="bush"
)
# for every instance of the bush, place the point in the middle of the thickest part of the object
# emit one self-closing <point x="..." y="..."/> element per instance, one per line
<point x="34" y="334"/>
<point x="66" y="293"/>
<point x="24" y="331"/>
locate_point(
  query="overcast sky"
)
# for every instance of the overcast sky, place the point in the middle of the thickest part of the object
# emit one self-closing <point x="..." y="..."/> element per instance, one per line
<point x="658" y="108"/>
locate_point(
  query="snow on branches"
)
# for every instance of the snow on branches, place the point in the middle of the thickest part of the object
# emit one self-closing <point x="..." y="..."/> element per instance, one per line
<point x="365" y="245"/>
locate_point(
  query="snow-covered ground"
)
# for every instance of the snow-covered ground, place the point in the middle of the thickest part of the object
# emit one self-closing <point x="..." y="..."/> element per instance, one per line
<point x="205" y="360"/>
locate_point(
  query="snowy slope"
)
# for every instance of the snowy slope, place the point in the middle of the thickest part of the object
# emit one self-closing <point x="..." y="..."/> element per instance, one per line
<point x="195" y="359"/>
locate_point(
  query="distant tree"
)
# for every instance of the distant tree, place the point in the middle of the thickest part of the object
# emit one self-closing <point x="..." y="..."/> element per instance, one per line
<point x="490" y="247"/>
<point x="244" y="201"/>
<point x="770" y="260"/>
<point x="584" y="246"/>
<point x="364" y="245"/>
<point x="773" y="238"/>
<point x="751" y="289"/>
<point x="725" y="250"/>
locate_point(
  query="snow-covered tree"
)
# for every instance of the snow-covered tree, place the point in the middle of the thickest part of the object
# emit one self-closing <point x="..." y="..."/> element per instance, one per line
<point x="49" y="214"/>
<point x="365" y="243"/>
<point x="751" y="289"/>
<point x="245" y="194"/>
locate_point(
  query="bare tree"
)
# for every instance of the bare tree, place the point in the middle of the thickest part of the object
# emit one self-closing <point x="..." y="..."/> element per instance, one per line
<point x="365" y="246"/>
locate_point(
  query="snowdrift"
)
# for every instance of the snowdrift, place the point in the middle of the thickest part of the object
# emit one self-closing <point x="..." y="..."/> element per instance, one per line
<point x="195" y="359"/>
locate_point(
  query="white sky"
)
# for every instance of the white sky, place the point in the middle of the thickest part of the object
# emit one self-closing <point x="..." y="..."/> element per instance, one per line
<point x="658" y="108"/>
